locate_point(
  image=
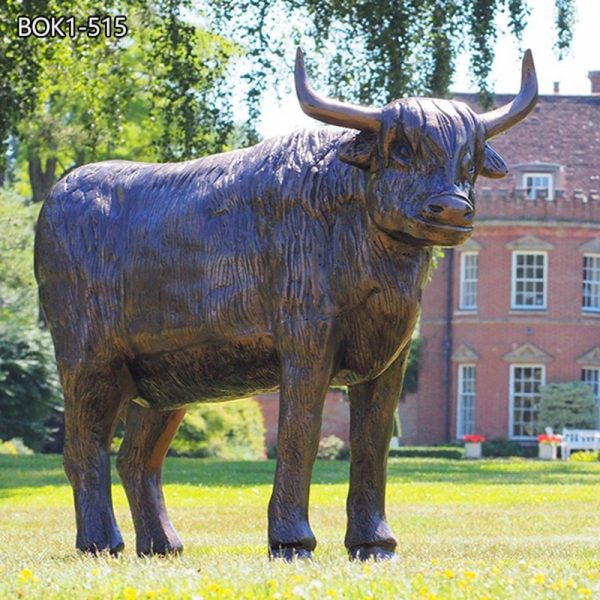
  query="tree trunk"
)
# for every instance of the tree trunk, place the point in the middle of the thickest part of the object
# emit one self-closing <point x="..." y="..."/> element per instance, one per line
<point x="41" y="180"/>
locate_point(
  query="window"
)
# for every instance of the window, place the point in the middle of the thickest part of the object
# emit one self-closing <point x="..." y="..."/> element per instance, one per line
<point x="538" y="185"/>
<point x="529" y="280"/>
<point x="468" y="280"/>
<point x="525" y="382"/>
<point x="591" y="376"/>
<point x="466" y="400"/>
<point x="591" y="282"/>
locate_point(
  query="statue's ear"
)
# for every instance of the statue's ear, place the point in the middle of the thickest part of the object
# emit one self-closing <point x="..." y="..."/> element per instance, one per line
<point x="357" y="150"/>
<point x="494" y="166"/>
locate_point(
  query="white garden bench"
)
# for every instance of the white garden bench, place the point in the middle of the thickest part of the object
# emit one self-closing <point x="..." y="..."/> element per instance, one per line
<point x="578" y="439"/>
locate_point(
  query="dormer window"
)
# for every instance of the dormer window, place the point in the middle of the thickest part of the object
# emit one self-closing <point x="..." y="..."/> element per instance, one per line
<point x="537" y="181"/>
<point x="538" y="185"/>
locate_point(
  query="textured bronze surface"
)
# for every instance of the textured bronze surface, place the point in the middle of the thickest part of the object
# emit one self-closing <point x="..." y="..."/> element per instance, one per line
<point x="292" y="264"/>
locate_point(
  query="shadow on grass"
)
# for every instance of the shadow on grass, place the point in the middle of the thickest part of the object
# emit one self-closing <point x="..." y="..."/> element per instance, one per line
<point x="44" y="470"/>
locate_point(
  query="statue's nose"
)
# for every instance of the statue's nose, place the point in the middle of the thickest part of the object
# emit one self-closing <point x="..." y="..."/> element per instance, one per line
<point x="449" y="209"/>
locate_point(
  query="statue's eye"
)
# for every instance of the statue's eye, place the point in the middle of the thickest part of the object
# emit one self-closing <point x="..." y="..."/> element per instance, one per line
<point x="403" y="153"/>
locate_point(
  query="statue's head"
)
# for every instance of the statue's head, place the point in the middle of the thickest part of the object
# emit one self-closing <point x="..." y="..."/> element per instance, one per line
<point x="423" y="156"/>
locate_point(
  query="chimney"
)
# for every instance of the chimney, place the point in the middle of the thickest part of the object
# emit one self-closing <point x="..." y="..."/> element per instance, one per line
<point x="557" y="87"/>
<point x="595" y="79"/>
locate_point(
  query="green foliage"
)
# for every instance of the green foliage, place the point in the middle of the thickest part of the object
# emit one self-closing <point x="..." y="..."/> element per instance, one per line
<point x="411" y="377"/>
<point x="585" y="456"/>
<point x="28" y="385"/>
<point x="571" y="405"/>
<point x="448" y="452"/>
<point x="503" y="448"/>
<point x="18" y="292"/>
<point x="158" y="93"/>
<point x="28" y="381"/>
<point x="330" y="448"/>
<point x="378" y="50"/>
<point x="234" y="430"/>
<point x="187" y="69"/>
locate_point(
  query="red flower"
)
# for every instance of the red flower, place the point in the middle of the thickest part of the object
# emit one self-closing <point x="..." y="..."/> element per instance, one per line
<point x="548" y="439"/>
<point x="472" y="438"/>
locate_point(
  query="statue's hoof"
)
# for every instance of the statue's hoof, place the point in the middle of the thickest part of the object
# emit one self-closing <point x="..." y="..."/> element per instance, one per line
<point x="94" y="549"/>
<point x="371" y="553"/>
<point x="289" y="553"/>
<point x="160" y="549"/>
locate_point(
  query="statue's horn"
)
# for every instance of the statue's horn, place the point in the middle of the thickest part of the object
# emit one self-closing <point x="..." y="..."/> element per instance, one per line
<point x="501" y="119"/>
<point x="332" y="111"/>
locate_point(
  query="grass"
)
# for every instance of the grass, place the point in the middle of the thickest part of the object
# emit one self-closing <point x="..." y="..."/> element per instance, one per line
<point x="467" y="529"/>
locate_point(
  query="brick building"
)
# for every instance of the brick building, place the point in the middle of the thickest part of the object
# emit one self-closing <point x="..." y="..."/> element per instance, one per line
<point x="519" y="304"/>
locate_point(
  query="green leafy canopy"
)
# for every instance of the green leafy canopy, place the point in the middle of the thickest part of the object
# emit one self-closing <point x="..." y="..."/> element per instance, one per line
<point x="379" y="50"/>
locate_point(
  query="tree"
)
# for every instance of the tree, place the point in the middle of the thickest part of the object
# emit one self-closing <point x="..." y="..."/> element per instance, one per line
<point x="29" y="387"/>
<point x="157" y="94"/>
<point x="378" y="50"/>
<point x="571" y="405"/>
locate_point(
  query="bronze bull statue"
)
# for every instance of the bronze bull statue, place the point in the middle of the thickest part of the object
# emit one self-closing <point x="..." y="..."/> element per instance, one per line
<point x="293" y="264"/>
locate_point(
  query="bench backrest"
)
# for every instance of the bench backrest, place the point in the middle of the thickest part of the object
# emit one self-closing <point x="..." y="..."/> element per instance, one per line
<point x="581" y="436"/>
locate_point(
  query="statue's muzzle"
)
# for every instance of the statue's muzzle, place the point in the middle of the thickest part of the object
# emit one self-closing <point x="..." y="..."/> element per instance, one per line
<point x="448" y="210"/>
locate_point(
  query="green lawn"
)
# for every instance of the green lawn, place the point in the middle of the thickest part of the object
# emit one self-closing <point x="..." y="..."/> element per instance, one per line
<point x="467" y="529"/>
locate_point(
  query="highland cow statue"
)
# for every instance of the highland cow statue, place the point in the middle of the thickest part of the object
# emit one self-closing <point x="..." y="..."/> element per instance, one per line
<point x="293" y="264"/>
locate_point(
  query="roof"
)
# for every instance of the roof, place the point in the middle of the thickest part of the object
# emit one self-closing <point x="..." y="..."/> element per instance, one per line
<point x="563" y="131"/>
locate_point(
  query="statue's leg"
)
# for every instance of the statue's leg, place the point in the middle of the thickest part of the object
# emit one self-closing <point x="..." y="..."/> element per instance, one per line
<point x="93" y="398"/>
<point x="148" y="433"/>
<point x="372" y="408"/>
<point x="304" y="384"/>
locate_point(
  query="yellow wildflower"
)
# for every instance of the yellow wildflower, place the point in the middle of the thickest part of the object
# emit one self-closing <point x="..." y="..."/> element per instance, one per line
<point x="25" y="575"/>
<point x="470" y="575"/>
<point x="583" y="591"/>
<point x="129" y="593"/>
<point x="539" y="579"/>
<point x="448" y="574"/>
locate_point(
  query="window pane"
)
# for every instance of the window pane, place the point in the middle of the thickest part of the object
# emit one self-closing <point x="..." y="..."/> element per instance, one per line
<point x="591" y="376"/>
<point x="525" y="398"/>
<point x="529" y="280"/>
<point x="538" y="183"/>
<point x="468" y="280"/>
<point x="591" y="282"/>
<point x="466" y="400"/>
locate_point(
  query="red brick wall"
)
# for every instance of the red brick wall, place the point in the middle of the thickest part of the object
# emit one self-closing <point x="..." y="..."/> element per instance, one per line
<point x="563" y="331"/>
<point x="336" y="416"/>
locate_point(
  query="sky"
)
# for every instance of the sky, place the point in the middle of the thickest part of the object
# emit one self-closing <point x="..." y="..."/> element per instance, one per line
<point x="285" y="115"/>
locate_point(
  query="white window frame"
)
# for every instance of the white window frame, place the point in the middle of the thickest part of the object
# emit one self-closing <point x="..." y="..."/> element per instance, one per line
<point x="532" y="195"/>
<point x="594" y="283"/>
<point x="461" y="429"/>
<point x="464" y="282"/>
<point x="594" y="383"/>
<point x="511" y="397"/>
<point x="513" y="281"/>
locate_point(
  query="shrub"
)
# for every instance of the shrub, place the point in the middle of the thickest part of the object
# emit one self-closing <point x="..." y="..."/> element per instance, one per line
<point x="450" y="452"/>
<point x="502" y="448"/>
<point x="571" y="405"/>
<point x="15" y="447"/>
<point x="330" y="448"/>
<point x="232" y="430"/>
<point x="584" y="456"/>
<point x="28" y="385"/>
